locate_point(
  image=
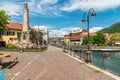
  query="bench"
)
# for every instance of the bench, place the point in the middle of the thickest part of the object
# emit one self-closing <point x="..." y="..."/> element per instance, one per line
<point x="12" y="59"/>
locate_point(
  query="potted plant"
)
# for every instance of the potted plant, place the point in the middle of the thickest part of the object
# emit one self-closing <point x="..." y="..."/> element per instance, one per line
<point x="105" y="56"/>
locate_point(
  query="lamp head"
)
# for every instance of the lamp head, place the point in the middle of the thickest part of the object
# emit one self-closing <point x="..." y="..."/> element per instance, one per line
<point x="83" y="20"/>
<point x="93" y="14"/>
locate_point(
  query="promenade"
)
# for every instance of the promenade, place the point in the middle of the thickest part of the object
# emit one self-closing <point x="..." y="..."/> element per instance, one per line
<point x="51" y="65"/>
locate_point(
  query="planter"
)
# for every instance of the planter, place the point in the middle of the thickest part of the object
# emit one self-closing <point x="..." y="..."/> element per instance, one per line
<point x="106" y="56"/>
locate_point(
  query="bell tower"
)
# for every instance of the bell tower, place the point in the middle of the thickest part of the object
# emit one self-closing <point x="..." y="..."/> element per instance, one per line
<point x="25" y="40"/>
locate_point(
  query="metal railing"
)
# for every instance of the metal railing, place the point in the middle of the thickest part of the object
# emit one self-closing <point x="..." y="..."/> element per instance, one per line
<point x="112" y="65"/>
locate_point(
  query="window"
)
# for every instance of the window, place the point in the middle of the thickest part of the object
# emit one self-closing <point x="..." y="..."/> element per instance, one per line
<point x="18" y="34"/>
<point x="9" y="32"/>
<point x="13" y="33"/>
<point x="5" y="33"/>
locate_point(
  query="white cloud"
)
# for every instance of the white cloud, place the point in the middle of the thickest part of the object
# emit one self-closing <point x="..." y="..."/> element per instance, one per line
<point x="43" y="28"/>
<point x="44" y="7"/>
<point x="56" y="32"/>
<point x="95" y="29"/>
<point x="50" y="8"/>
<point x="11" y="8"/>
<point x="98" y="5"/>
<point x="61" y="32"/>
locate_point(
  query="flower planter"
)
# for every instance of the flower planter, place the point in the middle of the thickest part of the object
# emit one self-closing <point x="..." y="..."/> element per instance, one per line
<point x="106" y="56"/>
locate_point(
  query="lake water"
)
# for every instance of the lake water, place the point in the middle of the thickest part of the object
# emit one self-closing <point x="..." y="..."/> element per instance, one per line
<point x="111" y="65"/>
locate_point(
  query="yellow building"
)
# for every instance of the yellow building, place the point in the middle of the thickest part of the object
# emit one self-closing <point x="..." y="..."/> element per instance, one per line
<point x="67" y="39"/>
<point x="11" y="34"/>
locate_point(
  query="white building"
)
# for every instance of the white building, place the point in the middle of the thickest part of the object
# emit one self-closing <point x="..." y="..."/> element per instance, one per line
<point x="45" y="36"/>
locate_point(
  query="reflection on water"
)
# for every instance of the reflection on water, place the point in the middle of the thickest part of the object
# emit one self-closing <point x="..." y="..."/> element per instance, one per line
<point x="116" y="54"/>
<point x="112" y="64"/>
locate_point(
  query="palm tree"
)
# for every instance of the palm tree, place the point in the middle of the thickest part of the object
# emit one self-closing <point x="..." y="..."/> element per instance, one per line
<point x="4" y="18"/>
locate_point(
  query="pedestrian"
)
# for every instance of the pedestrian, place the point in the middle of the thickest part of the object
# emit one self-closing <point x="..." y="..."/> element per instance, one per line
<point x="20" y="48"/>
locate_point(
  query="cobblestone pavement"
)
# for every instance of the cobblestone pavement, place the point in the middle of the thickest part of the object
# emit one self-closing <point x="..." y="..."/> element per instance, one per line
<point x="51" y="65"/>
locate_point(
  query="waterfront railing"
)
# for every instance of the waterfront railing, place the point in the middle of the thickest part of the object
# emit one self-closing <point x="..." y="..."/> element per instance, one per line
<point x="112" y="64"/>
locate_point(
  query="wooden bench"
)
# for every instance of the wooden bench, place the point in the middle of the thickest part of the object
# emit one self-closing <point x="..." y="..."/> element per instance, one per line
<point x="12" y="59"/>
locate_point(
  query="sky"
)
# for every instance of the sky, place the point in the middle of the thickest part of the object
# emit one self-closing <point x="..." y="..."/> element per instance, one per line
<point x="63" y="16"/>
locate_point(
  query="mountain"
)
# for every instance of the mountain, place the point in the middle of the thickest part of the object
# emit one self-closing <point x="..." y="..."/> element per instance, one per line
<point x="112" y="29"/>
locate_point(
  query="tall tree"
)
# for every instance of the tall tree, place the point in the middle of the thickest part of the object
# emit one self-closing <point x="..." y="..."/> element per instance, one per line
<point x="91" y="40"/>
<point x="4" y="18"/>
<point x="85" y="40"/>
<point x="36" y="36"/>
<point x="99" y="38"/>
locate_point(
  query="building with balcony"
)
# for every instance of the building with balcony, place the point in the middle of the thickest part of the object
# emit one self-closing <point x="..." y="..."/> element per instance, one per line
<point x="77" y="37"/>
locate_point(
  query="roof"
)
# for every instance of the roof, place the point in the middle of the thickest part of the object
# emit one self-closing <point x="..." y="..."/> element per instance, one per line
<point x="14" y="26"/>
<point x="66" y="35"/>
<point x="36" y="30"/>
<point x="84" y="30"/>
<point x="91" y="34"/>
<point x="77" y="33"/>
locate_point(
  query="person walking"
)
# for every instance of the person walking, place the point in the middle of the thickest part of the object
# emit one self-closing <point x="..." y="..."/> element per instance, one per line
<point x="20" y="48"/>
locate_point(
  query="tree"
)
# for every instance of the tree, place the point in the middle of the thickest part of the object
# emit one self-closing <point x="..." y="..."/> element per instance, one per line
<point x="99" y="38"/>
<point x="4" y="18"/>
<point x="36" y="36"/>
<point x="115" y="37"/>
<point x="85" y="40"/>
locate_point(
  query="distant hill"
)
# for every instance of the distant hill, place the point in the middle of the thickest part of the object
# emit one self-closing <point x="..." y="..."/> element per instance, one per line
<point x="112" y="29"/>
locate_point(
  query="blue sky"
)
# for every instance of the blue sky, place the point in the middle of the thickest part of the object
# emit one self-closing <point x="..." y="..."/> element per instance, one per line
<point x="63" y="16"/>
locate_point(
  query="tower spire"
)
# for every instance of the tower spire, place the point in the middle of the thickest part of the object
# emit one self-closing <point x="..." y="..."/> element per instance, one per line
<point x="25" y="29"/>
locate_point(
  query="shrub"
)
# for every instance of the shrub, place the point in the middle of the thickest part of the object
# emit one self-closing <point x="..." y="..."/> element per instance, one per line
<point x="102" y="45"/>
<point x="11" y="46"/>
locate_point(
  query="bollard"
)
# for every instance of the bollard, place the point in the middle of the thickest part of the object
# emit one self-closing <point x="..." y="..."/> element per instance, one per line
<point x="88" y="56"/>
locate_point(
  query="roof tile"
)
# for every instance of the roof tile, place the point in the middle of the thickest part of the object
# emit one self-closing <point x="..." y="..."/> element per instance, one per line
<point x="15" y="26"/>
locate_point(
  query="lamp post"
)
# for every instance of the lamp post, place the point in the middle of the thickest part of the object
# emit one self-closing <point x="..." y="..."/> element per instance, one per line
<point x="38" y="37"/>
<point x="87" y="19"/>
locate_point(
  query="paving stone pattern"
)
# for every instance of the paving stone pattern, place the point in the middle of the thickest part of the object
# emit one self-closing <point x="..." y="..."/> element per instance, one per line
<point x="51" y="65"/>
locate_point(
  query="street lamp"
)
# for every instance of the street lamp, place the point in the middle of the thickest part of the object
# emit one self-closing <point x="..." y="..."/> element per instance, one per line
<point x="86" y="18"/>
<point x="38" y="37"/>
